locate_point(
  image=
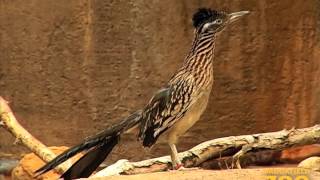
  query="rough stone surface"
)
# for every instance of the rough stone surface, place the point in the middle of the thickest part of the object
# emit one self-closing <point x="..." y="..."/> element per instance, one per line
<point x="71" y="68"/>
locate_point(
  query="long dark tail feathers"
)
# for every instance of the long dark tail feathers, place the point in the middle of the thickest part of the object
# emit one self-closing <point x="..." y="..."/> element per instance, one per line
<point x="101" y="140"/>
<point x="88" y="163"/>
<point x="68" y="154"/>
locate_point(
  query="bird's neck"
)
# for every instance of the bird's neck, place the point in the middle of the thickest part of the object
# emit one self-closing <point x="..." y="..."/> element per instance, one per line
<point x="201" y="53"/>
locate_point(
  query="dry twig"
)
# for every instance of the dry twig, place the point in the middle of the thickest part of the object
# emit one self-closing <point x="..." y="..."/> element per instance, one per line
<point x="9" y="122"/>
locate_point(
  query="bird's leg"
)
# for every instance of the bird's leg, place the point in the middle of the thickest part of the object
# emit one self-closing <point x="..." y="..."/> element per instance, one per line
<point x="176" y="163"/>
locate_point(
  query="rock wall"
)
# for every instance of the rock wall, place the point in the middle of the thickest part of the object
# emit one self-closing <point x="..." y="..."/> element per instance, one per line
<point x="71" y="68"/>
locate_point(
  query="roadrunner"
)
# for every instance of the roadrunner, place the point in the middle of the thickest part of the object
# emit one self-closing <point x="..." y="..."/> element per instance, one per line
<point x="171" y="111"/>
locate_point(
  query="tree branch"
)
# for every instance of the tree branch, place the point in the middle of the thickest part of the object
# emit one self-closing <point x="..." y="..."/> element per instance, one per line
<point x="233" y="145"/>
<point x="9" y="122"/>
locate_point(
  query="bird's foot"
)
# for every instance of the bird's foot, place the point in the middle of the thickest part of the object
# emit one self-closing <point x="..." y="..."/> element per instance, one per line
<point x="180" y="167"/>
<point x="177" y="167"/>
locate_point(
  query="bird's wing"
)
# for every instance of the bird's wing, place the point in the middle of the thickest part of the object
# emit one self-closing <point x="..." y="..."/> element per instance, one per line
<point x="165" y="108"/>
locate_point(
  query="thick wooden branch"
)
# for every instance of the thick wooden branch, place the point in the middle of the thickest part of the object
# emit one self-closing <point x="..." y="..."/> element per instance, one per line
<point x="9" y="122"/>
<point x="234" y="145"/>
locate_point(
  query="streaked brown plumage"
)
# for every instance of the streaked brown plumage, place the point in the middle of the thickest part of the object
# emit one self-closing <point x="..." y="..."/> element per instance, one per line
<point x="171" y="111"/>
<point x="177" y="107"/>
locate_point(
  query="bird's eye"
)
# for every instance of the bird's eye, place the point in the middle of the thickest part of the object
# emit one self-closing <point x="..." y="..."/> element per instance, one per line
<point x="218" y="21"/>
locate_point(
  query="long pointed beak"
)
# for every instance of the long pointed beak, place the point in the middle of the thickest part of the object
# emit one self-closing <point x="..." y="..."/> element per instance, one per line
<point x="236" y="15"/>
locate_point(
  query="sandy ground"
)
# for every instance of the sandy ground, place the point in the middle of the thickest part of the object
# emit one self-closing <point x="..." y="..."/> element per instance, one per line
<point x="230" y="174"/>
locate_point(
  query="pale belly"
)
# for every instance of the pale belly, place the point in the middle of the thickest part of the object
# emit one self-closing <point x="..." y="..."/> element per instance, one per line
<point x="190" y="118"/>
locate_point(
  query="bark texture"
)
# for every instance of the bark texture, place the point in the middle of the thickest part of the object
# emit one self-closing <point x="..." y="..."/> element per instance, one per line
<point x="71" y="68"/>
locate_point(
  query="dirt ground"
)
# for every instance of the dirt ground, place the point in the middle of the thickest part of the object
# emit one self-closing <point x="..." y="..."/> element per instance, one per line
<point x="231" y="174"/>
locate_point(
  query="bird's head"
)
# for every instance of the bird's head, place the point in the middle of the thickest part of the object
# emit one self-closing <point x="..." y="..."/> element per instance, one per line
<point x="208" y="20"/>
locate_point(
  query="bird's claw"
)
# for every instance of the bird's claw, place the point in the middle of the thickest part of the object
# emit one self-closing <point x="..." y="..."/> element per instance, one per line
<point x="177" y="167"/>
<point x="180" y="167"/>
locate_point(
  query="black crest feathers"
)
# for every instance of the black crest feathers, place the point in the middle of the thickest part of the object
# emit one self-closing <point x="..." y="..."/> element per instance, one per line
<point x="204" y="15"/>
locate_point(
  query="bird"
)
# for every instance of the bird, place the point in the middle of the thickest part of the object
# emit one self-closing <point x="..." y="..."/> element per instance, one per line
<point x="170" y="112"/>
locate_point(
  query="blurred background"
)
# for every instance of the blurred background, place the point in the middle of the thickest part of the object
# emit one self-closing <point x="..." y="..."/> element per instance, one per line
<point x="72" y="68"/>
